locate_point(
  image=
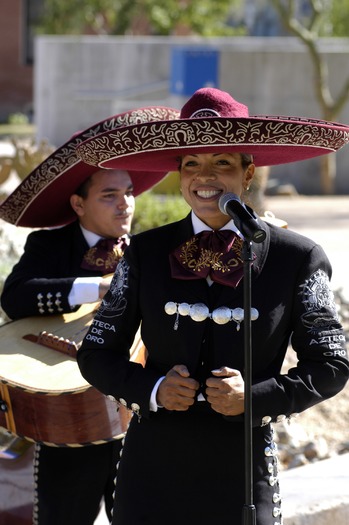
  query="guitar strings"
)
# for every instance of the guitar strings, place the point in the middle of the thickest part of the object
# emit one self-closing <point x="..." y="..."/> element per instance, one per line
<point x="75" y="337"/>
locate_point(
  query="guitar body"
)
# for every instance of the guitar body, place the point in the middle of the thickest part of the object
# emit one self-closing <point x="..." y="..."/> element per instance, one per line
<point x="64" y="420"/>
<point x="44" y="398"/>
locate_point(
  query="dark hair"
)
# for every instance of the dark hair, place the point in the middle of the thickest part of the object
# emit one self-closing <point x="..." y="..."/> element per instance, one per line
<point x="83" y="189"/>
<point x="246" y="159"/>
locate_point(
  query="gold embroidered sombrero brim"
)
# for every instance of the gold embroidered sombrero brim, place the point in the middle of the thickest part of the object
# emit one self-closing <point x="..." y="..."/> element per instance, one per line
<point x="42" y="198"/>
<point x="271" y="140"/>
<point x="212" y="121"/>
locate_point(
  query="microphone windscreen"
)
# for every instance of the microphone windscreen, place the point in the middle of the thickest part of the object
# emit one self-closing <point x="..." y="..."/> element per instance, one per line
<point x="224" y="199"/>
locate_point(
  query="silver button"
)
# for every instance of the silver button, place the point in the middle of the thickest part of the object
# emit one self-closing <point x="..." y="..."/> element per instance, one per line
<point x="266" y="420"/>
<point x="280" y="418"/>
<point x="271" y="450"/>
<point x="276" y="497"/>
<point x="272" y="480"/>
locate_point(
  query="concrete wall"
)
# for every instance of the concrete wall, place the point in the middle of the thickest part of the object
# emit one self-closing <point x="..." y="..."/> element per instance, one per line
<point x="81" y="80"/>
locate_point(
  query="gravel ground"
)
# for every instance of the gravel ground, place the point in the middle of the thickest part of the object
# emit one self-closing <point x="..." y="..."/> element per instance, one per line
<point x="328" y="420"/>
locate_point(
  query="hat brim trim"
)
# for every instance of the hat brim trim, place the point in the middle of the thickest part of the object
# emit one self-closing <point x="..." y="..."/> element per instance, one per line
<point x="43" y="197"/>
<point x="271" y="140"/>
<point x="38" y="202"/>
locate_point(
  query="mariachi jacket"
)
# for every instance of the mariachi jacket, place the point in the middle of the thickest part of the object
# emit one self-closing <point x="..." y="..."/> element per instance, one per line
<point x="290" y="293"/>
<point x="40" y="283"/>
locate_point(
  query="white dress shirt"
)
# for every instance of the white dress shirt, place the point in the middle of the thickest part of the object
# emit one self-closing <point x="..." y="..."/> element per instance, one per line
<point x="85" y="289"/>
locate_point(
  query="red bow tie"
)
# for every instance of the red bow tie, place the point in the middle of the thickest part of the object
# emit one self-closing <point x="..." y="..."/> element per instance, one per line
<point x="210" y="253"/>
<point x="105" y="255"/>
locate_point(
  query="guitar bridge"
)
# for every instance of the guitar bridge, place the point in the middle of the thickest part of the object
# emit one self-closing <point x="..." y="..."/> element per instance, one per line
<point x="66" y="346"/>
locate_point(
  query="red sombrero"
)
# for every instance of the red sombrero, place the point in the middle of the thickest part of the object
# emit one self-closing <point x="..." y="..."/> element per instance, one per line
<point x="42" y="199"/>
<point x="213" y="121"/>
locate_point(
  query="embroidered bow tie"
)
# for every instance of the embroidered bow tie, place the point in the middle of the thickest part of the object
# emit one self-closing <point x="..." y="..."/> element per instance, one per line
<point x="210" y="253"/>
<point x="104" y="256"/>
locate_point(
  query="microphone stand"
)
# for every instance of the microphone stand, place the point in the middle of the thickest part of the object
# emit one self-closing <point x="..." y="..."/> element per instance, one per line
<point x="246" y="222"/>
<point x="249" y="510"/>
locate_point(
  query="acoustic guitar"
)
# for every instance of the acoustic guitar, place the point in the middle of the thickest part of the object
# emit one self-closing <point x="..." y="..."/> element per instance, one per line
<point x="43" y="396"/>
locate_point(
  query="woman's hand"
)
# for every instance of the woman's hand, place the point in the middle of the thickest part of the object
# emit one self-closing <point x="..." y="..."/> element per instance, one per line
<point x="225" y="391"/>
<point x="177" y="391"/>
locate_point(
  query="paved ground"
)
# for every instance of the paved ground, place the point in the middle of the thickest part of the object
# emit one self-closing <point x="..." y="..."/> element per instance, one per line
<point x="323" y="219"/>
<point x="317" y="494"/>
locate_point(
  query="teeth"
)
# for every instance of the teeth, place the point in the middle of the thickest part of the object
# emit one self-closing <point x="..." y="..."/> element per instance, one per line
<point x="206" y="194"/>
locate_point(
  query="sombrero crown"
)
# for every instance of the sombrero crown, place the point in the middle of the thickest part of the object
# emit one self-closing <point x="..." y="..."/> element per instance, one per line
<point x="212" y="121"/>
<point x="211" y="103"/>
<point x="42" y="199"/>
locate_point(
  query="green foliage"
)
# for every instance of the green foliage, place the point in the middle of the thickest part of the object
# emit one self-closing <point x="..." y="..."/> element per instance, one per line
<point x="16" y="130"/>
<point x="323" y="18"/>
<point x="155" y="210"/>
<point x="18" y="118"/>
<point x="169" y="185"/>
<point x="328" y="18"/>
<point x="339" y="18"/>
<point x="79" y="17"/>
<point x="196" y="17"/>
<point x="148" y="17"/>
<point x="200" y="17"/>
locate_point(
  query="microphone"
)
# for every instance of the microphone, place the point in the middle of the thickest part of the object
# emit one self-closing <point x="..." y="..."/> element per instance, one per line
<point x="231" y="205"/>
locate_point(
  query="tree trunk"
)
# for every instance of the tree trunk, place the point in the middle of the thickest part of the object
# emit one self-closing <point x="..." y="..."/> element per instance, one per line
<point x="328" y="174"/>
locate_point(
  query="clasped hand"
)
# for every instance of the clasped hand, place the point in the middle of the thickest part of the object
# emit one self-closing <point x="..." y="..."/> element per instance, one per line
<point x="224" y="390"/>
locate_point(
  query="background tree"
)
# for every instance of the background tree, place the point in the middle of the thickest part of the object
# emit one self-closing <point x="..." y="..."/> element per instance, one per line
<point x="338" y="21"/>
<point x="325" y="17"/>
<point x="140" y="17"/>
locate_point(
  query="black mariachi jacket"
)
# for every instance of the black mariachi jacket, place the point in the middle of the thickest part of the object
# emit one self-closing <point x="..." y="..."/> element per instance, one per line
<point x="41" y="281"/>
<point x="290" y="291"/>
